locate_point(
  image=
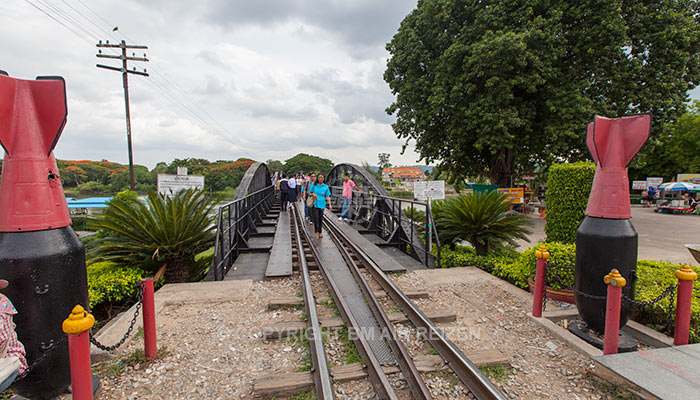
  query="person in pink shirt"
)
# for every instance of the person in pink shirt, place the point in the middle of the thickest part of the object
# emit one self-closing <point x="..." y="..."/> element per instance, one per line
<point x="9" y="345"/>
<point x="348" y="186"/>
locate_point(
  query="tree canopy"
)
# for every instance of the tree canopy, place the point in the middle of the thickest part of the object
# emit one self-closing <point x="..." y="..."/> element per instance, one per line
<point x="306" y="163"/>
<point x="677" y="150"/>
<point x="500" y="87"/>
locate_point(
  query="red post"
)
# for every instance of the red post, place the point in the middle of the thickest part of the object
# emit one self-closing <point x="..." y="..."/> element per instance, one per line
<point x="149" y="319"/>
<point x="77" y="326"/>
<point x="685" y="276"/>
<point x="540" y="270"/>
<point x="615" y="283"/>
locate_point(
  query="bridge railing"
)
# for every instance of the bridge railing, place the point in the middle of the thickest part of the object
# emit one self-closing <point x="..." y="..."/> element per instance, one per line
<point x="385" y="216"/>
<point x="236" y="221"/>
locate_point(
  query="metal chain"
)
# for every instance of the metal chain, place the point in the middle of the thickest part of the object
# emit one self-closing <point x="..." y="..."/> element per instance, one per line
<point x="128" y="331"/>
<point x="668" y="291"/>
<point x="53" y="347"/>
<point x="566" y="285"/>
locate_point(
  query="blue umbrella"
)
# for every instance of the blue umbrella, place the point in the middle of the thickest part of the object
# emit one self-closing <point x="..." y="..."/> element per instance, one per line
<point x="676" y="186"/>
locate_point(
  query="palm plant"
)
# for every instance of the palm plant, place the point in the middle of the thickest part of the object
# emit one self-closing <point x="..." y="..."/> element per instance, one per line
<point x="165" y="234"/>
<point x="483" y="219"/>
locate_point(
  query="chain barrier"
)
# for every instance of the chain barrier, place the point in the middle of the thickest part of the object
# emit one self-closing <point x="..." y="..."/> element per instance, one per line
<point x="670" y="290"/>
<point x="56" y="345"/>
<point x="128" y="331"/>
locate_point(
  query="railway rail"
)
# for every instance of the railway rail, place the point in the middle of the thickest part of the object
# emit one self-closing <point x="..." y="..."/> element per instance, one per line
<point x="373" y="333"/>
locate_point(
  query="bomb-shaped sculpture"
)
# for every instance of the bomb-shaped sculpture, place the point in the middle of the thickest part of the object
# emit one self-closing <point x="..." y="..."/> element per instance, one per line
<point x="40" y="254"/>
<point x="606" y="238"/>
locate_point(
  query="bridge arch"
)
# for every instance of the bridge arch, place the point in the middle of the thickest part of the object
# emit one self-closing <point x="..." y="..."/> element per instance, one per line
<point x="379" y="213"/>
<point x="256" y="177"/>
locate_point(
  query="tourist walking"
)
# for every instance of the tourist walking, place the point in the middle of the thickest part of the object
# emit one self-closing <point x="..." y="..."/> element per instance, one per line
<point x="321" y="194"/>
<point x="348" y="186"/>
<point x="284" y="191"/>
<point x="292" y="192"/>
<point x="300" y="182"/>
<point x="305" y="194"/>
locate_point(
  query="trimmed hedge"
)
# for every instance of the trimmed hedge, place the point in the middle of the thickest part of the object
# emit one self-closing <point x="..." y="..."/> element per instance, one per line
<point x="568" y="188"/>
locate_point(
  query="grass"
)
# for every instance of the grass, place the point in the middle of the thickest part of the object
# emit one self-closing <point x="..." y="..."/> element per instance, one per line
<point x="496" y="372"/>
<point x="350" y="353"/>
<point x="139" y="334"/>
<point x="300" y="294"/>
<point x="303" y="396"/>
<point x="397" y="308"/>
<point x="116" y="367"/>
<point x="615" y="392"/>
<point x="432" y="351"/>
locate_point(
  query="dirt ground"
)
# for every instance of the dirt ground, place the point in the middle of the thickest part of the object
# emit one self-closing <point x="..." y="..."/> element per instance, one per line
<point x="215" y="350"/>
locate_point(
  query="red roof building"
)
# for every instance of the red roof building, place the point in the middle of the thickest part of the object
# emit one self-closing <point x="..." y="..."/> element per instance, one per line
<point x="402" y="174"/>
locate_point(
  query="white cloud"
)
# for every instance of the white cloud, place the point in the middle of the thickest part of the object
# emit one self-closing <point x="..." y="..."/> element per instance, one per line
<point x="270" y="79"/>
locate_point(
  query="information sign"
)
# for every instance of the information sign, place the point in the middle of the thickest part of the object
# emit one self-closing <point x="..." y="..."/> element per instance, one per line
<point x="639" y="185"/>
<point x="515" y="195"/>
<point x="654" y="181"/>
<point x="175" y="183"/>
<point x="435" y="190"/>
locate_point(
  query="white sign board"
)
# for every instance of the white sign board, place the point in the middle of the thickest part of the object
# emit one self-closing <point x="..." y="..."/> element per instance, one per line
<point x="639" y="185"/>
<point x="655" y="182"/>
<point x="435" y="190"/>
<point x="175" y="183"/>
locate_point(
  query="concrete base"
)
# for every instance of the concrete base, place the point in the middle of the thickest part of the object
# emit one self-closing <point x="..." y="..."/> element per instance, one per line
<point x="182" y="293"/>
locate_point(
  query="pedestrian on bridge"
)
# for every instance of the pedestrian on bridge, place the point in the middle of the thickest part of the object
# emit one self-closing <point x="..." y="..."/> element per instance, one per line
<point x="348" y="186"/>
<point x="284" y="191"/>
<point x="305" y="194"/>
<point x="292" y="192"/>
<point x="322" y="197"/>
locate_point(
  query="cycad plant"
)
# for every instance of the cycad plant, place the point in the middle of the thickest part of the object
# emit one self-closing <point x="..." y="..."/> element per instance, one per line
<point x="482" y="219"/>
<point x="165" y="233"/>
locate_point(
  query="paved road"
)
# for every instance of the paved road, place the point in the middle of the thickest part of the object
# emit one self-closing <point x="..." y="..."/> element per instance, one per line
<point x="661" y="236"/>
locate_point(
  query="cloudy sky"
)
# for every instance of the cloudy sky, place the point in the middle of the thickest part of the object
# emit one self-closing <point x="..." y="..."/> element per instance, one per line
<point x="229" y="78"/>
<point x="245" y="78"/>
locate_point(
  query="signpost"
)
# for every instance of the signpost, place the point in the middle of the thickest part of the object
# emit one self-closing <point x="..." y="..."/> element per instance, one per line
<point x="639" y="185"/>
<point x="171" y="184"/>
<point x="429" y="190"/>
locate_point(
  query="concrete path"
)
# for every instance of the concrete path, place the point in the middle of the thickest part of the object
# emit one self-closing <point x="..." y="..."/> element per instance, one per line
<point x="661" y="236"/>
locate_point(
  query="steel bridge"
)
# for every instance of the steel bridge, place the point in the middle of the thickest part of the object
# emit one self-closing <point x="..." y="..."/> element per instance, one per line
<point x="246" y="235"/>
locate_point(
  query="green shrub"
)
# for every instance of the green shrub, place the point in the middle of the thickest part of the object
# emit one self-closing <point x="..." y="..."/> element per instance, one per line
<point x="568" y="188"/>
<point x="562" y="254"/>
<point x="482" y="219"/>
<point x="653" y="277"/>
<point x="400" y="194"/>
<point x="92" y="187"/>
<point x="109" y="283"/>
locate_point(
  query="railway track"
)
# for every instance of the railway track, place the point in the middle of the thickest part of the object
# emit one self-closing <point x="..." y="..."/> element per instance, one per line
<point x="372" y="331"/>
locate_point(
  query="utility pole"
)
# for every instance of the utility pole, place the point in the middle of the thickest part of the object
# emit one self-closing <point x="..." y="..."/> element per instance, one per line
<point x="125" y="72"/>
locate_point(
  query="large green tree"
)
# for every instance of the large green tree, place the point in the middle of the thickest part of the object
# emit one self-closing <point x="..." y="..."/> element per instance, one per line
<point x="676" y="150"/>
<point x="500" y="87"/>
<point x="307" y="163"/>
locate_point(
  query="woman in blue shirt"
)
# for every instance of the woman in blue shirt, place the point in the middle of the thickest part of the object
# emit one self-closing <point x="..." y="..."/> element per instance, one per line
<point x="321" y="194"/>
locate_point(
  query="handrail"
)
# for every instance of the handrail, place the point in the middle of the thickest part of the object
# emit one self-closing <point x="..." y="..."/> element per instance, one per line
<point x="235" y="223"/>
<point x="384" y="214"/>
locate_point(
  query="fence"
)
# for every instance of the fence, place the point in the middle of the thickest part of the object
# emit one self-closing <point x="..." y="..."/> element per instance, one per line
<point x="614" y="298"/>
<point x="236" y="221"/>
<point x="399" y="222"/>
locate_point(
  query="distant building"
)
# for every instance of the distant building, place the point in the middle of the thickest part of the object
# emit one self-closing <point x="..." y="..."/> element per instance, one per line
<point x="402" y="174"/>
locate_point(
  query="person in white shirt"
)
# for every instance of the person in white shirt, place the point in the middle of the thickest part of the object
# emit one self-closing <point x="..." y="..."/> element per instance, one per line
<point x="292" y="192"/>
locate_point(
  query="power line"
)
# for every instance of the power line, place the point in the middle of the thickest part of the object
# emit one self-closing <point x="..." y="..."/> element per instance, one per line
<point x="170" y="89"/>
